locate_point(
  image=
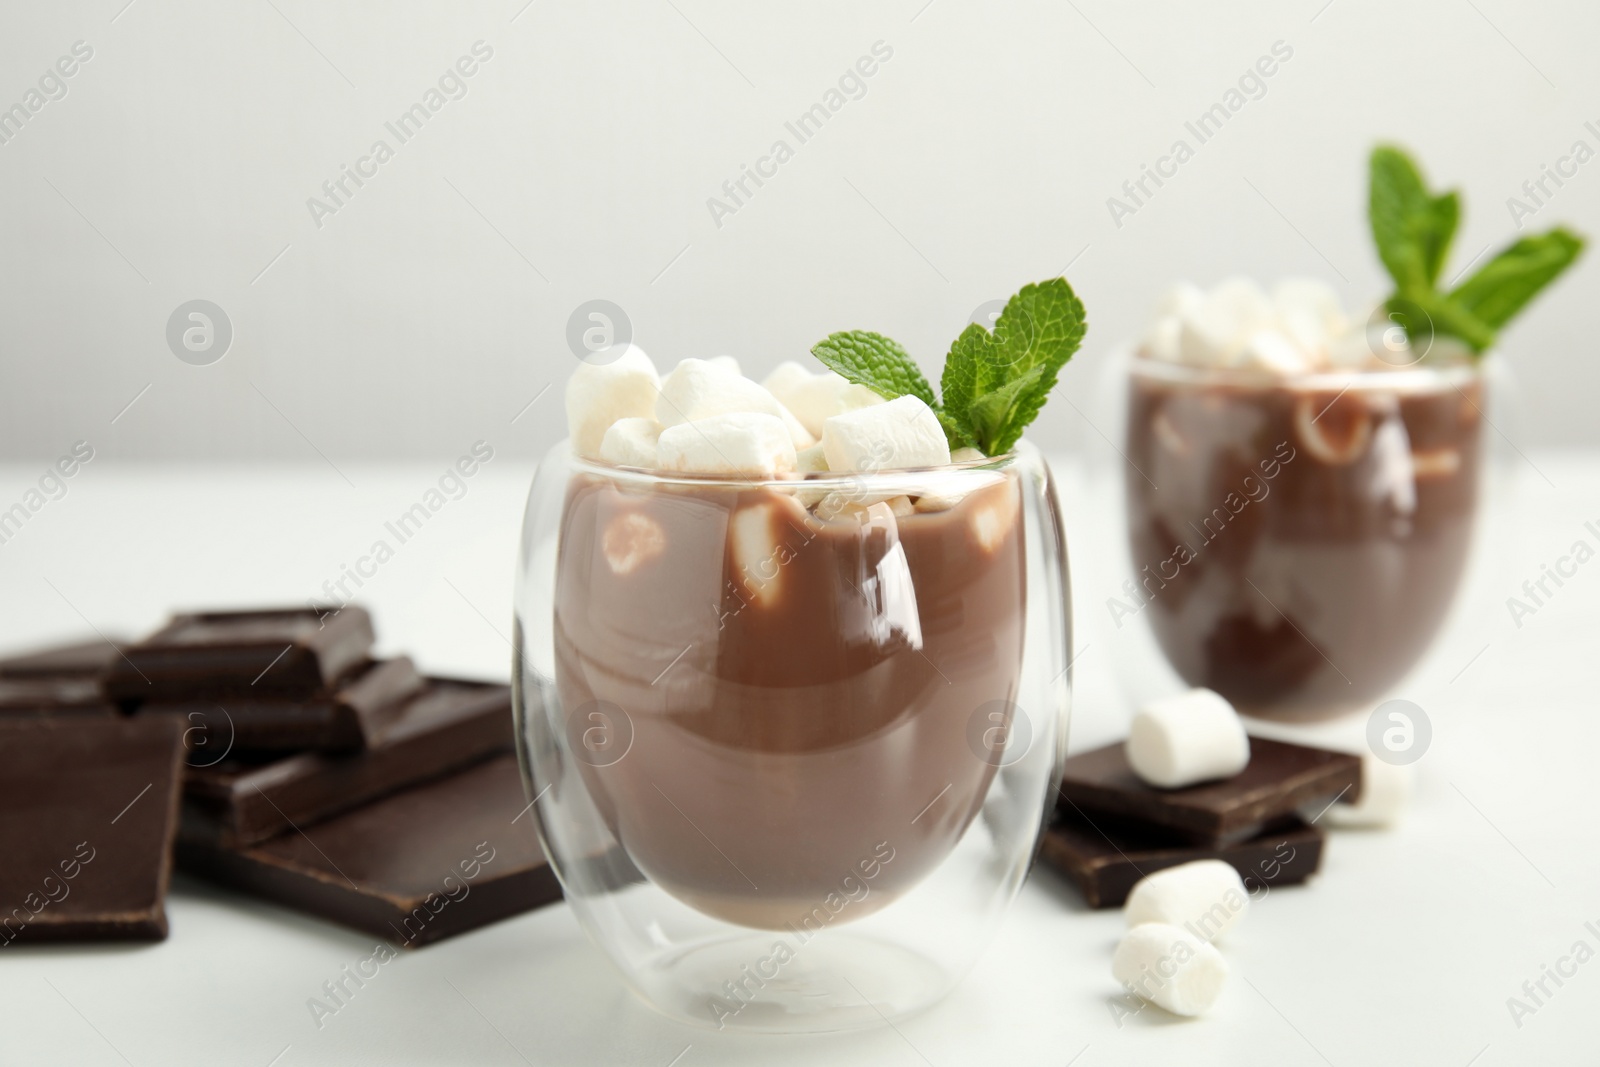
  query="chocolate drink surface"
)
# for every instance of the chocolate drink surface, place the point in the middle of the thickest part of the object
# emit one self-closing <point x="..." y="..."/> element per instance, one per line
<point x="1306" y="538"/>
<point x="797" y="693"/>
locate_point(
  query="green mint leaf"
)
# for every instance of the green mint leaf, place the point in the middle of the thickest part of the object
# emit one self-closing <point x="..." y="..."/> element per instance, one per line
<point x="1437" y="230"/>
<point x="1425" y="314"/>
<point x="996" y="383"/>
<point x="993" y="415"/>
<point x="1412" y="228"/>
<point x="965" y="370"/>
<point x="875" y="361"/>
<point x="955" y="432"/>
<point x="1505" y="284"/>
<point x="1059" y="325"/>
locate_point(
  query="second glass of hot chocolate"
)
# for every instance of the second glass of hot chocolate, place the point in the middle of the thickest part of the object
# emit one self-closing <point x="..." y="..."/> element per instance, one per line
<point x="1298" y="530"/>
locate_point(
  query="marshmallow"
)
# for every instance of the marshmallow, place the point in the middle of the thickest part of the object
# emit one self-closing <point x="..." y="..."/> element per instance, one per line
<point x="1183" y="298"/>
<point x="947" y="491"/>
<point x="784" y="378"/>
<point x="936" y="501"/>
<point x="1385" y="791"/>
<point x="1305" y="332"/>
<point x="1271" y="350"/>
<point x="756" y="553"/>
<point x="1194" y="737"/>
<point x="992" y="520"/>
<point x="811" y="460"/>
<point x="630" y="541"/>
<point x="698" y="389"/>
<point x="1164" y="339"/>
<point x="840" y="505"/>
<point x="901" y="433"/>
<point x="1170" y="968"/>
<point x="739" y="442"/>
<point x="1242" y="301"/>
<point x="1313" y="300"/>
<point x="1360" y="344"/>
<point x="1301" y="327"/>
<point x="598" y="394"/>
<point x="1215" y="333"/>
<point x="1206" y="897"/>
<point x="631" y="443"/>
<point x="816" y="397"/>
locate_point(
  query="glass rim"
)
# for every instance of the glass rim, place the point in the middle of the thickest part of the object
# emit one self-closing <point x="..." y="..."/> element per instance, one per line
<point x="1419" y="375"/>
<point x="797" y="480"/>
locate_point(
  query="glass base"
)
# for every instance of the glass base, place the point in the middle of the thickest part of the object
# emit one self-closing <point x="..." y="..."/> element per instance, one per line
<point x="773" y="982"/>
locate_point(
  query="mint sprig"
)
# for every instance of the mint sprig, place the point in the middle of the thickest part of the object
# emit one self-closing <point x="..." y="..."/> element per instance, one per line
<point x="875" y="361"/>
<point x="994" y="383"/>
<point x="1413" y="230"/>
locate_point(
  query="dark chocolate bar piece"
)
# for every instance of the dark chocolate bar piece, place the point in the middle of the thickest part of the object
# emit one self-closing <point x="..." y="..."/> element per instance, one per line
<point x="447" y="725"/>
<point x="415" y="867"/>
<point x="349" y="718"/>
<point x="88" y="811"/>
<point x="83" y="659"/>
<point x="1105" y="862"/>
<point x="1280" y="778"/>
<point x="42" y="697"/>
<point x="287" y="654"/>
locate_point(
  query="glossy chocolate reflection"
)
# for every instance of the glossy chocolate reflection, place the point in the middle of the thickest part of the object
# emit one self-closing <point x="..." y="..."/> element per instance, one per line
<point x="779" y="705"/>
<point x="1297" y="544"/>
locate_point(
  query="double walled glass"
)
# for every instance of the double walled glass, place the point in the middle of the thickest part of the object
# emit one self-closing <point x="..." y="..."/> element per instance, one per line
<point x="1298" y="542"/>
<point x="792" y="742"/>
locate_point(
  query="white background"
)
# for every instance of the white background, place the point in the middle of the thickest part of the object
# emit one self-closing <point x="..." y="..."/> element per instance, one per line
<point x="433" y="306"/>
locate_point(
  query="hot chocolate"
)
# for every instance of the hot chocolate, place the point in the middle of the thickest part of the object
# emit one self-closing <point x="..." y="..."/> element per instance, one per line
<point x="1298" y="540"/>
<point x="772" y="709"/>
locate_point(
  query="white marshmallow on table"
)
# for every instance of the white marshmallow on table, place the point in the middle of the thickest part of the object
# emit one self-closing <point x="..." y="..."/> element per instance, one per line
<point x="1193" y="737"/>
<point x="739" y="442"/>
<point x="598" y="394"/>
<point x="698" y="389"/>
<point x="631" y="442"/>
<point x="904" y="432"/>
<point x="1206" y="897"/>
<point x="1170" y="968"/>
<point x="815" y="397"/>
<point x="1385" y="792"/>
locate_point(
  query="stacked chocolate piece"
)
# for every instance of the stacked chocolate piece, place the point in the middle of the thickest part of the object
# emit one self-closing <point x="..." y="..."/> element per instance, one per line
<point x="1111" y="828"/>
<point x="309" y="773"/>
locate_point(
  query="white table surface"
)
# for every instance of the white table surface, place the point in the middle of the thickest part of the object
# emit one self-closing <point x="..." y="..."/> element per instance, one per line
<point x="1404" y="950"/>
